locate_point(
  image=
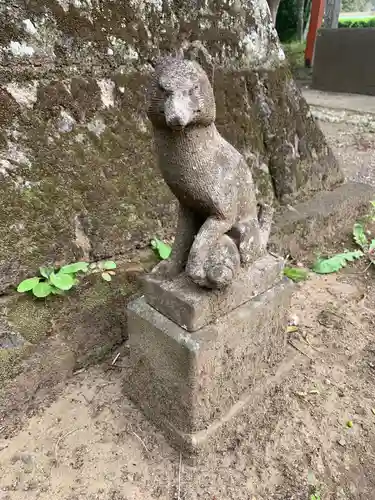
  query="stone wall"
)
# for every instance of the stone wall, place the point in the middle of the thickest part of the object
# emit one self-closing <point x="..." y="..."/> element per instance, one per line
<point x="76" y="162"/>
<point x="343" y="60"/>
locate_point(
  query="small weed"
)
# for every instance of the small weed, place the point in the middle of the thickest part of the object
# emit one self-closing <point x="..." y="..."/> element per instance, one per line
<point x="105" y="268"/>
<point x="367" y="249"/>
<point x="57" y="281"/>
<point x="314" y="490"/>
<point x="296" y="274"/>
<point x="315" y="496"/>
<point x="162" y="250"/>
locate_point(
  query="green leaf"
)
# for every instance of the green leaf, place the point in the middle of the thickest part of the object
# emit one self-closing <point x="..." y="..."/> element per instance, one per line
<point x="315" y="496"/>
<point x="42" y="289"/>
<point x="46" y="271"/>
<point x="161" y="248"/>
<point x="106" y="277"/>
<point x="109" y="264"/>
<point x="62" y="280"/>
<point x="75" y="268"/>
<point x="296" y="274"/>
<point x="27" y="285"/>
<point x="335" y="263"/>
<point x="360" y="236"/>
<point x="56" y="291"/>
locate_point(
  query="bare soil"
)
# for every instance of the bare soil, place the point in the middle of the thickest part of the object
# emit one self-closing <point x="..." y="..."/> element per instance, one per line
<point x="91" y="443"/>
<point x="315" y="434"/>
<point x="354" y="146"/>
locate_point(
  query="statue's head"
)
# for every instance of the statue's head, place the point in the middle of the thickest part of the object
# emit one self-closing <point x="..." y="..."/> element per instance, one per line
<point x="180" y="95"/>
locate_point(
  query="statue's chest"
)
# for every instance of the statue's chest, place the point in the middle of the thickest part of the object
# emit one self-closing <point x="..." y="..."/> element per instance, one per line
<point x="190" y="177"/>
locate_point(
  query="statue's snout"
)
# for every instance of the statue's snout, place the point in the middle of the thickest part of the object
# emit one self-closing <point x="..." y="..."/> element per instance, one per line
<point x="177" y="112"/>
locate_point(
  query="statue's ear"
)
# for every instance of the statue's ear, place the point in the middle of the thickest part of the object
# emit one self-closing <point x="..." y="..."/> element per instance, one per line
<point x="160" y="60"/>
<point x="198" y="53"/>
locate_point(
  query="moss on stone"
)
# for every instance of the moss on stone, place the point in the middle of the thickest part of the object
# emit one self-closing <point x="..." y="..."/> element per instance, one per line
<point x="31" y="317"/>
<point x="90" y="319"/>
<point x="10" y="361"/>
<point x="106" y="175"/>
<point x="7" y="362"/>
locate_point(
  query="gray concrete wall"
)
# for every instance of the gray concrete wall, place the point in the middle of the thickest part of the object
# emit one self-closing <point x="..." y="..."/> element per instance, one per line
<point x="344" y="60"/>
<point x="77" y="175"/>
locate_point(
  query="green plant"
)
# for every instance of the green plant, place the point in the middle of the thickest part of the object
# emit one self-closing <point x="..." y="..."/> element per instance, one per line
<point x="367" y="249"/>
<point x="371" y="215"/>
<point x="296" y="273"/>
<point x="366" y="22"/>
<point x="315" y="496"/>
<point x="105" y="268"/>
<point x="336" y="262"/>
<point x="57" y="281"/>
<point x="163" y="250"/>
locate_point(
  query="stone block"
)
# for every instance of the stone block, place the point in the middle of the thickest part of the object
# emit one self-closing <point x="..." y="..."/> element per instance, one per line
<point x="191" y="384"/>
<point x="309" y="226"/>
<point x="193" y="307"/>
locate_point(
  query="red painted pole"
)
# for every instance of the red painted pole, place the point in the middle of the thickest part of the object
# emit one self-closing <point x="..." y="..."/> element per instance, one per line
<point x="316" y="19"/>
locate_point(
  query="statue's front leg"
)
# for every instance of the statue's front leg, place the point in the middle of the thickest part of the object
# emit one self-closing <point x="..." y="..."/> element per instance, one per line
<point x="187" y="227"/>
<point x="208" y="237"/>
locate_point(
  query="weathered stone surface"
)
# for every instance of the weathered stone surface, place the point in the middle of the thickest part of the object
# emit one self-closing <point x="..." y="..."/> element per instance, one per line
<point x="10" y="338"/>
<point x="76" y="165"/>
<point x="189" y="384"/>
<point x="192" y="307"/>
<point x="309" y="226"/>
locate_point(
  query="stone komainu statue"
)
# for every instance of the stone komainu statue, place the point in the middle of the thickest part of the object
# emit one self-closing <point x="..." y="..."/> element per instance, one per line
<point x="220" y="225"/>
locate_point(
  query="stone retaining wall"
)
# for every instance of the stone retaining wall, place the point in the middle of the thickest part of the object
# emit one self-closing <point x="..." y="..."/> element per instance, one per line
<point x="76" y="164"/>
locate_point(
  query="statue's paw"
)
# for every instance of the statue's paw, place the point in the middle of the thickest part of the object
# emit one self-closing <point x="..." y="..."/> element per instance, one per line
<point x="196" y="274"/>
<point x="220" y="276"/>
<point x="167" y="269"/>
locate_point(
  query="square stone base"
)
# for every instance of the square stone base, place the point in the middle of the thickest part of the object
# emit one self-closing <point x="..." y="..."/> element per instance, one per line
<point x="191" y="385"/>
<point x="193" y="307"/>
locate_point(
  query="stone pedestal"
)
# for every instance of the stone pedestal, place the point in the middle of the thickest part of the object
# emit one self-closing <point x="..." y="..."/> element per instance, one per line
<point x="191" y="384"/>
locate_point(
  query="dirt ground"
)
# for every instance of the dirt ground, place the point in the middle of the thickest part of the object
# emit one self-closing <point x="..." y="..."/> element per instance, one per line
<point x="91" y="443"/>
<point x="354" y="146"/>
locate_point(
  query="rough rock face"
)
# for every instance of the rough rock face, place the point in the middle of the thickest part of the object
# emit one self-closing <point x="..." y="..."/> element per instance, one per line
<point x="76" y="163"/>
